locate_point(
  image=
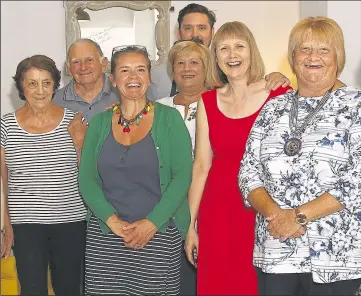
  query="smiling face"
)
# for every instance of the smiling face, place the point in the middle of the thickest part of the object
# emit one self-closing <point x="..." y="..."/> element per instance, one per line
<point x="196" y="25"/>
<point x="85" y="63"/>
<point x="234" y="58"/>
<point x="315" y="62"/>
<point x="189" y="72"/>
<point x="38" y="88"/>
<point x="131" y="75"/>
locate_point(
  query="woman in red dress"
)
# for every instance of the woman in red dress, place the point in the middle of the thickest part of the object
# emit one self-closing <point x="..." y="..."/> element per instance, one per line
<point x="224" y="236"/>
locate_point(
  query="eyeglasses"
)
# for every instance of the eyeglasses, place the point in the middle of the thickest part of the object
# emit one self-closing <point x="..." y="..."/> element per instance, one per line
<point x="129" y="48"/>
<point x="308" y="50"/>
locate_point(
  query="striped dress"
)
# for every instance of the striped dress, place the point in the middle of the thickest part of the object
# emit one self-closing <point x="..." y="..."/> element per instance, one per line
<point x="42" y="173"/>
<point x="113" y="269"/>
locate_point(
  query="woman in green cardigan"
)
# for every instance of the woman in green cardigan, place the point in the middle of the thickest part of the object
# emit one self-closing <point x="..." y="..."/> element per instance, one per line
<point x="135" y="171"/>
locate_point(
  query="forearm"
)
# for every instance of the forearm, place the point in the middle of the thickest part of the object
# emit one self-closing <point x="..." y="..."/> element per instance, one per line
<point x="195" y="192"/>
<point x="262" y="202"/>
<point x="322" y="206"/>
<point x="78" y="155"/>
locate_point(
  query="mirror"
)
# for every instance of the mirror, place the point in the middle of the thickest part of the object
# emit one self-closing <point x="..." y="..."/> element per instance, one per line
<point x="115" y="23"/>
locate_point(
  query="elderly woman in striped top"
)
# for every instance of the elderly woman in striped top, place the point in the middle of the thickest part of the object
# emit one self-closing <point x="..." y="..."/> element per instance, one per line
<point x="44" y="212"/>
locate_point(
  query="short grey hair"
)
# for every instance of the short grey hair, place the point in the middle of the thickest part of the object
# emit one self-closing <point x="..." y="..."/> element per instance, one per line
<point x="92" y="42"/>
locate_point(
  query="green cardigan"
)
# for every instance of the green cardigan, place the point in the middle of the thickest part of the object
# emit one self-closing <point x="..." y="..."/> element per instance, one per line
<point x="173" y="146"/>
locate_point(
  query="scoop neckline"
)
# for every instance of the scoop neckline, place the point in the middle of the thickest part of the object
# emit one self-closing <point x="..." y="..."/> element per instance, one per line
<point x="245" y="117"/>
<point x="38" y="134"/>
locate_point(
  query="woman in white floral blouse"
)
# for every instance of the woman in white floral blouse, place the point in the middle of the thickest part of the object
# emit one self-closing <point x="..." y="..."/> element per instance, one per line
<point x="302" y="173"/>
<point x="188" y="64"/>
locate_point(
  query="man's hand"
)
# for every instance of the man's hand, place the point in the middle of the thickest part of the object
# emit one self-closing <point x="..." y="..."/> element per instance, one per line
<point x="275" y="80"/>
<point x="142" y="232"/>
<point x="77" y="129"/>
<point x="110" y="107"/>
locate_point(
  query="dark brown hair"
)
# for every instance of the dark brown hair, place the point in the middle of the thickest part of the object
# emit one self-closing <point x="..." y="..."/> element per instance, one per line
<point x="196" y="8"/>
<point x="41" y="62"/>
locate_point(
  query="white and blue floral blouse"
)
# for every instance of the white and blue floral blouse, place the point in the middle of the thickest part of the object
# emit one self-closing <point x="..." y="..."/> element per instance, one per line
<point x="329" y="161"/>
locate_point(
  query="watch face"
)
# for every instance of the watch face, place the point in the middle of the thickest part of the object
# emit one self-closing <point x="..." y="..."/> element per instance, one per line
<point x="301" y="219"/>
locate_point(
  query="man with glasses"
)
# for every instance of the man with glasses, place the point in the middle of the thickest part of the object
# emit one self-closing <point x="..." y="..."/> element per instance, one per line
<point x="195" y="21"/>
<point x="90" y="91"/>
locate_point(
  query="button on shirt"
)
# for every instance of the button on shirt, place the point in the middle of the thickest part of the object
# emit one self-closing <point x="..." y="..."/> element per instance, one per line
<point x="329" y="161"/>
<point x="67" y="97"/>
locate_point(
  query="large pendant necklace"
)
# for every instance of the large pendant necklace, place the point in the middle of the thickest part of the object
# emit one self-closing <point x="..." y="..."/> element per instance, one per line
<point x="293" y="144"/>
<point x="126" y="123"/>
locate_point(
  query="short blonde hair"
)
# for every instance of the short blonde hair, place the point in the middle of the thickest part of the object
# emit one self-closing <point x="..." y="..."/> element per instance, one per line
<point x="186" y="48"/>
<point x="324" y="30"/>
<point x="241" y="31"/>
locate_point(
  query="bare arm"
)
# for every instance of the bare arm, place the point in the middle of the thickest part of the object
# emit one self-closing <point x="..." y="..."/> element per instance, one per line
<point x="201" y="166"/>
<point x="262" y="202"/>
<point x="202" y="162"/>
<point x="323" y="205"/>
<point x="8" y="231"/>
<point x="77" y="129"/>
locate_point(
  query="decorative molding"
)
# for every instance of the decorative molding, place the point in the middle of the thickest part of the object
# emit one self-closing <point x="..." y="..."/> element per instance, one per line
<point x="73" y="32"/>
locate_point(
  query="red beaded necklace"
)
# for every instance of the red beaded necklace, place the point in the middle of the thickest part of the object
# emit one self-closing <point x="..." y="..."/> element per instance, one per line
<point x="126" y="123"/>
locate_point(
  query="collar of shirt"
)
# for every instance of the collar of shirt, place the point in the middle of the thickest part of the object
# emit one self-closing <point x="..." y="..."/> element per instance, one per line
<point x="71" y="95"/>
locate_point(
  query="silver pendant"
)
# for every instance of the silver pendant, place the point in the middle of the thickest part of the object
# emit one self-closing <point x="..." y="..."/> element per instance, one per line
<point x="292" y="146"/>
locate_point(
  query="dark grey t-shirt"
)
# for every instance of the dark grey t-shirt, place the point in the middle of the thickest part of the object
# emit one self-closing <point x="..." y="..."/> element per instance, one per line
<point x="130" y="176"/>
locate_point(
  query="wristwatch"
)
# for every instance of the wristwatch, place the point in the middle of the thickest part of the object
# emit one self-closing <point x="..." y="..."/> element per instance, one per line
<point x="301" y="218"/>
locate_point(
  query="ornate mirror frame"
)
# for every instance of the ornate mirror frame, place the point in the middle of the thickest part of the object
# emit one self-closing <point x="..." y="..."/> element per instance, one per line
<point x="72" y="27"/>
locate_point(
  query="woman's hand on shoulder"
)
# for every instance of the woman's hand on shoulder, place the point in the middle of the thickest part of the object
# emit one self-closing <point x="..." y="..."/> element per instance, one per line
<point x="77" y="129"/>
<point x="274" y="80"/>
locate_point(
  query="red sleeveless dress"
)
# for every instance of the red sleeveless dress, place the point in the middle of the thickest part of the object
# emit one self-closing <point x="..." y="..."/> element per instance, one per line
<point x="225" y="225"/>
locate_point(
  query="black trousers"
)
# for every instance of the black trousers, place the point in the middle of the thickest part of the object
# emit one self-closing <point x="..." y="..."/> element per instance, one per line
<point x="302" y="284"/>
<point x="60" y="245"/>
<point x="188" y="277"/>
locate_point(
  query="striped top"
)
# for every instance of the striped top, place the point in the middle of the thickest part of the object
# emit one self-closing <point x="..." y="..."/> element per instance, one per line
<point x="42" y="173"/>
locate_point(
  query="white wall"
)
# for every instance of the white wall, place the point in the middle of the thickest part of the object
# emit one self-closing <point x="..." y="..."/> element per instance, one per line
<point x="269" y="21"/>
<point x="33" y="27"/>
<point x="28" y="28"/>
<point x="348" y="15"/>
